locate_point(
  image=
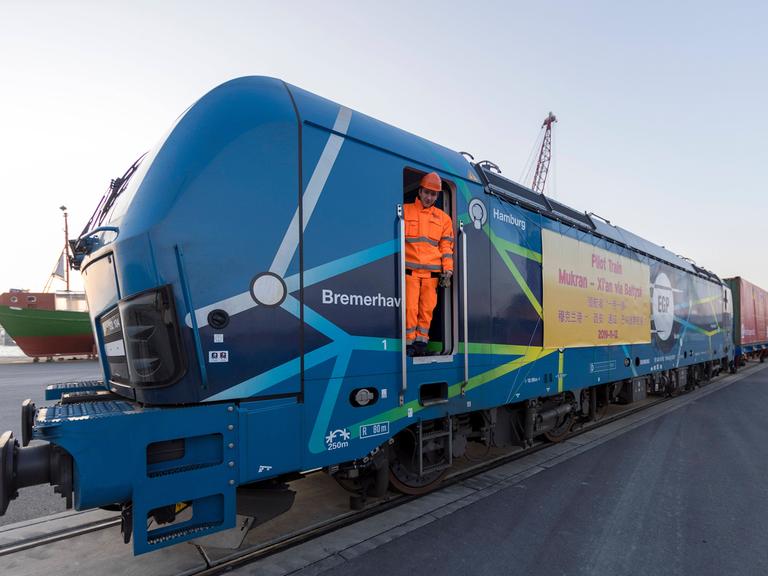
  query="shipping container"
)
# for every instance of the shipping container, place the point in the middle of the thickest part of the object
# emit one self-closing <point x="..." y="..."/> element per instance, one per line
<point x="750" y="308"/>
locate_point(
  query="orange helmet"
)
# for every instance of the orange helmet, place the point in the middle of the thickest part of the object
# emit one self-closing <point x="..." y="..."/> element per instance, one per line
<point x="432" y="182"/>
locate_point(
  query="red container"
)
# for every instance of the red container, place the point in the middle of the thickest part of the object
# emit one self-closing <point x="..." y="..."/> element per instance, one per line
<point x="751" y="311"/>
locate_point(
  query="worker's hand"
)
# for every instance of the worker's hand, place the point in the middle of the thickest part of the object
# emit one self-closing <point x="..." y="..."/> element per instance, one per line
<point x="445" y="279"/>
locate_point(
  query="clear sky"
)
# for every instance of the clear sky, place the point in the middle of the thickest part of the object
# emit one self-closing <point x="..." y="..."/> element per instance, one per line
<point x="660" y="104"/>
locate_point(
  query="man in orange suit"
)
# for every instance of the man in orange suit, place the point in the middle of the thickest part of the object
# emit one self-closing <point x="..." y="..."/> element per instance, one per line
<point x="428" y="260"/>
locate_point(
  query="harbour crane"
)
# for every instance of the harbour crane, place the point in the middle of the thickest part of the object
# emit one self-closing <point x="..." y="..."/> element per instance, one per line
<point x="545" y="155"/>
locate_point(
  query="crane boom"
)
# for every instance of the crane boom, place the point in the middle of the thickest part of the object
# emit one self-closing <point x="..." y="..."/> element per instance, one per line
<point x="545" y="155"/>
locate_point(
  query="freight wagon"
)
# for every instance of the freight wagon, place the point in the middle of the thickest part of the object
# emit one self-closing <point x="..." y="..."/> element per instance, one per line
<point x="750" y="321"/>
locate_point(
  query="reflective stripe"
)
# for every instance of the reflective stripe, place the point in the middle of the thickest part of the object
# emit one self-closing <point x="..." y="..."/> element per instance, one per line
<point x="449" y="238"/>
<point x="416" y="266"/>
<point x="449" y="256"/>
<point x="410" y="330"/>
<point x="422" y="339"/>
<point x="421" y="239"/>
<point x="421" y="328"/>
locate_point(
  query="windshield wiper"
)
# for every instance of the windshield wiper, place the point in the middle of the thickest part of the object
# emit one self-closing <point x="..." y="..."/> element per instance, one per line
<point x="86" y="243"/>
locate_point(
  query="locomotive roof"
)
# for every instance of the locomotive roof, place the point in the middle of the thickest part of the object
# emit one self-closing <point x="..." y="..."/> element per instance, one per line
<point x="318" y="111"/>
<point x="519" y="194"/>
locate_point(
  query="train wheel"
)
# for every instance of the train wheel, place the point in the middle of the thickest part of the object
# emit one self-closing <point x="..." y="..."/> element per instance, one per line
<point x="404" y="466"/>
<point x="561" y="431"/>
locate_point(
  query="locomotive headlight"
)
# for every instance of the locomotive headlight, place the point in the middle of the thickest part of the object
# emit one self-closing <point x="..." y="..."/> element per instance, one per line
<point x="151" y="336"/>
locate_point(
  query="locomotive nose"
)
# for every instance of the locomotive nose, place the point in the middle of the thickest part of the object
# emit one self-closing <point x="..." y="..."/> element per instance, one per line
<point x="22" y="466"/>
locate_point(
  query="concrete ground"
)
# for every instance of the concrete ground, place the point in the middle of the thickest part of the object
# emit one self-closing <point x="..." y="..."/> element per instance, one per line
<point x="683" y="494"/>
<point x="675" y="489"/>
<point x="20" y="380"/>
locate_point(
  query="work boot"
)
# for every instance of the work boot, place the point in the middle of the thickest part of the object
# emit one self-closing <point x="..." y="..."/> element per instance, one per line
<point x="410" y="350"/>
<point x="420" y="348"/>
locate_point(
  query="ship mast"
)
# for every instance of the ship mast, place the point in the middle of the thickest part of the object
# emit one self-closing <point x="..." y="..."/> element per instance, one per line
<point x="545" y="155"/>
<point x="66" y="245"/>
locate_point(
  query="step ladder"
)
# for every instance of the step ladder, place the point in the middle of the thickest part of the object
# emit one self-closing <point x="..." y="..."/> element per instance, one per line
<point x="436" y="441"/>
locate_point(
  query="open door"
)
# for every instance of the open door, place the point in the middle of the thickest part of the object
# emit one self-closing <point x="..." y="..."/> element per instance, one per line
<point x="444" y="328"/>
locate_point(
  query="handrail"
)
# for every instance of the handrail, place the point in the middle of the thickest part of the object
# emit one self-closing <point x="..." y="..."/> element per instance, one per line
<point x="401" y="269"/>
<point x="464" y="304"/>
<point x="114" y="229"/>
<point x="85" y="244"/>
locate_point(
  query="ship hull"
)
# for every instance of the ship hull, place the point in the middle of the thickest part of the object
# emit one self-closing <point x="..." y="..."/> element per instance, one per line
<point x="48" y="332"/>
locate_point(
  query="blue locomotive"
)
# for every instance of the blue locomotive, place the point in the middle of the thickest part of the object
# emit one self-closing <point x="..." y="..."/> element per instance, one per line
<point x="245" y="283"/>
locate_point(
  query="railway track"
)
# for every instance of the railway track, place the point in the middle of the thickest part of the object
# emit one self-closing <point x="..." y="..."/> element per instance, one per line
<point x="67" y="534"/>
<point x="260" y="551"/>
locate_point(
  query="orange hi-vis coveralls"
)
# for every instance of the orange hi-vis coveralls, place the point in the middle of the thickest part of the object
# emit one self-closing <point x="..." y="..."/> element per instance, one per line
<point x="428" y="252"/>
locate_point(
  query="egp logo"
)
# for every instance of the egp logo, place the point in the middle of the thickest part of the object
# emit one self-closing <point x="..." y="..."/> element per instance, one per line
<point x="663" y="306"/>
<point x="337" y="439"/>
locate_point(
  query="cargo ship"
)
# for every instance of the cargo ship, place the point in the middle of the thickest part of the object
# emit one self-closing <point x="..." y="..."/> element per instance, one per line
<point x="47" y="324"/>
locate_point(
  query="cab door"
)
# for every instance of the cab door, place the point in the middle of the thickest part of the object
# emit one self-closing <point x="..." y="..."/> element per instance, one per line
<point x="445" y="358"/>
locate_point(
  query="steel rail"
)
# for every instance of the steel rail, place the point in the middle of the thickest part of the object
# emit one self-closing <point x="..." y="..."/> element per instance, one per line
<point x="65" y="534"/>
